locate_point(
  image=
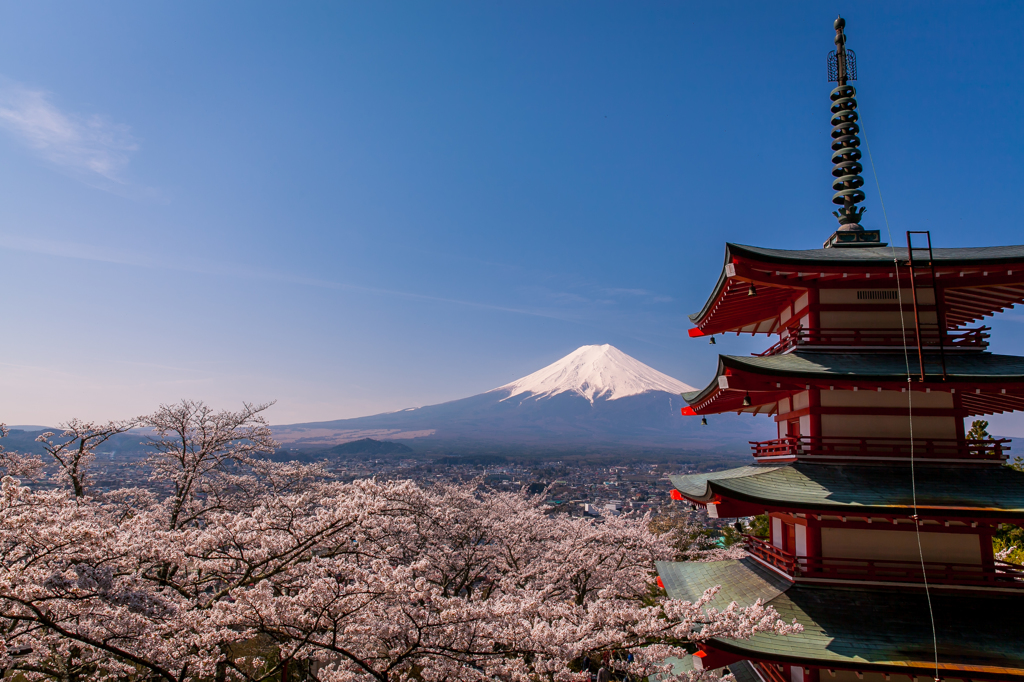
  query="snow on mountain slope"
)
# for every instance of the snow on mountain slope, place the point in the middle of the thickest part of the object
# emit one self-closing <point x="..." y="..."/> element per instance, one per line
<point x="594" y="372"/>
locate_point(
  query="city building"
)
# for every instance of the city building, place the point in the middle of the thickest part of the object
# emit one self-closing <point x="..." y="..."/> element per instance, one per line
<point x="882" y="507"/>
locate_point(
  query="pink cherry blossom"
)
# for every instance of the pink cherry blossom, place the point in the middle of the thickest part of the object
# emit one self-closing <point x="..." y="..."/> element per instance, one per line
<point x="249" y="568"/>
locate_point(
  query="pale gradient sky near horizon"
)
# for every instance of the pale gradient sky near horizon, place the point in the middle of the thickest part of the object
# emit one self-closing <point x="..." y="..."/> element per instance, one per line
<point x="354" y="208"/>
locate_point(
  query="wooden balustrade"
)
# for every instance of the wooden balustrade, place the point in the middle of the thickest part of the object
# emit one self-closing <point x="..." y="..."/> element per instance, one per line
<point x="771" y="554"/>
<point x="835" y="448"/>
<point x="770" y="672"/>
<point x="1001" y="574"/>
<point x="955" y="339"/>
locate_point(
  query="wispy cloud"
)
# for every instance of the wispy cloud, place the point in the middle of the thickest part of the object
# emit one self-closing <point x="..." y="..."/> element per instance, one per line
<point x="638" y="293"/>
<point x="80" y="251"/>
<point x="90" y="146"/>
<point x="597" y="312"/>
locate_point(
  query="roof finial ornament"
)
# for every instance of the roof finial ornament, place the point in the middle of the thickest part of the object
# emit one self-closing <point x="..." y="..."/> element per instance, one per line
<point x="846" y="169"/>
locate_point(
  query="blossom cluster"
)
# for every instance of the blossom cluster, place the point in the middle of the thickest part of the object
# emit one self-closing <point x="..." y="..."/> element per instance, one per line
<point x="255" y="570"/>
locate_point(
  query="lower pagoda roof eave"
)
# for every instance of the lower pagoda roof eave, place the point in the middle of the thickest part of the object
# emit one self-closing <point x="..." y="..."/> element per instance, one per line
<point x="923" y="668"/>
<point x="858" y="490"/>
<point x="861" y="628"/>
<point x="981" y="367"/>
<point x="997" y="380"/>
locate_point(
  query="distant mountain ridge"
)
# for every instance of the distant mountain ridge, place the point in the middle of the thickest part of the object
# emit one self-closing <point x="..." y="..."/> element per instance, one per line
<point x="369" y="446"/>
<point x="595" y="397"/>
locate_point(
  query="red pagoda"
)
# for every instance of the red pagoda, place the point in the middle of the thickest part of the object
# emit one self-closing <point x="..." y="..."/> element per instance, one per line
<point x="881" y="509"/>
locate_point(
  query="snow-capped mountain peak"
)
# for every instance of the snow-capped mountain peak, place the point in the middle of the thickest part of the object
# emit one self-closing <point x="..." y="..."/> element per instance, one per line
<point x="594" y="372"/>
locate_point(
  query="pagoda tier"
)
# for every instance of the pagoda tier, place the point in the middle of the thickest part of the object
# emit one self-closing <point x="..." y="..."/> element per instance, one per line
<point x="832" y="405"/>
<point x="857" y="524"/>
<point x="861" y="290"/>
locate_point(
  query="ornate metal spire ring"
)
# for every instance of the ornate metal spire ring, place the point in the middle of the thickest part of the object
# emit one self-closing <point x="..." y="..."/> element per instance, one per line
<point x="846" y="167"/>
<point x="846" y="156"/>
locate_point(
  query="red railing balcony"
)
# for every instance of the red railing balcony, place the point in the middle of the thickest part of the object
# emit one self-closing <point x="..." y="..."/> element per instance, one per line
<point x="828" y="449"/>
<point x="955" y="339"/>
<point x="770" y="554"/>
<point x="1000" y="574"/>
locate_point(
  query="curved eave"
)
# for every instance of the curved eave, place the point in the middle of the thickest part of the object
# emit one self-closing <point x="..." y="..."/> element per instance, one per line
<point x="988" y="383"/>
<point x="978" y="282"/>
<point x="731" y="308"/>
<point x="963" y="492"/>
<point x="697" y="487"/>
<point x="882" y="256"/>
<point x="720" y="491"/>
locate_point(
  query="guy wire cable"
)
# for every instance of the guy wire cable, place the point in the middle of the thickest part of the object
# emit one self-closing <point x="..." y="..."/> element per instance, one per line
<point x="910" y="400"/>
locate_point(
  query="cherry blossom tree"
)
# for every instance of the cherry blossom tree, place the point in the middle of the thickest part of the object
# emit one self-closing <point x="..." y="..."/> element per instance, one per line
<point x="690" y="540"/>
<point x="16" y="464"/>
<point x="204" y="454"/>
<point x="253" y="570"/>
<point x="74" y="449"/>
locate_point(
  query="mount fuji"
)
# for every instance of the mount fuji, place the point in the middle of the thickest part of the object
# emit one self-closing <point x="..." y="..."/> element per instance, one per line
<point x="596" y="397"/>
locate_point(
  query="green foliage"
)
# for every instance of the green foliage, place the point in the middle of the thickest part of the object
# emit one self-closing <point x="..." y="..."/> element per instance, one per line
<point x="1010" y="535"/>
<point x="759" y="526"/>
<point x="730" y="536"/>
<point x="978" y="430"/>
<point x="690" y="537"/>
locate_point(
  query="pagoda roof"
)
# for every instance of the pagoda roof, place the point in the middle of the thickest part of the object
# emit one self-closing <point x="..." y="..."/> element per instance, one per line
<point x="743" y="671"/>
<point x="973" y="492"/>
<point x="995" y="383"/>
<point x="883" y="255"/>
<point x="979" y="281"/>
<point x="863" y="629"/>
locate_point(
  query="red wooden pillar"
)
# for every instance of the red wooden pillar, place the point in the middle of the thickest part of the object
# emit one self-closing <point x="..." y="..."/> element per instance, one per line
<point x="814" y="403"/>
<point x="958" y="406"/>
<point x="988" y="559"/>
<point x="813" y="537"/>
<point x="812" y="308"/>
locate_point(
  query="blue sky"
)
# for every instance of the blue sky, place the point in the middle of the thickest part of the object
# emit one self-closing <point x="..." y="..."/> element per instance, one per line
<point x="361" y="207"/>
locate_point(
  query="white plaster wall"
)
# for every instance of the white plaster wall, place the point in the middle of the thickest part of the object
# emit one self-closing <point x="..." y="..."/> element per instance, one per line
<point x="897" y="399"/>
<point x="895" y="426"/>
<point x="900" y="545"/>
<point x="801" y="400"/>
<point x="801" y="540"/>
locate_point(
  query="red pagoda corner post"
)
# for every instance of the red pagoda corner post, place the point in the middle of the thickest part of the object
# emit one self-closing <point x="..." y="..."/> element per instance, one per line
<point x="881" y="511"/>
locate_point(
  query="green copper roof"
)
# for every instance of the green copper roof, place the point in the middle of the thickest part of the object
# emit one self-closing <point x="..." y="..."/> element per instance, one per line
<point x="849" y="489"/>
<point x="960" y="367"/>
<point x="862" y="628"/>
<point x="681" y="666"/>
<point x="742" y="581"/>
<point x="883" y="255"/>
<point x="744" y="672"/>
